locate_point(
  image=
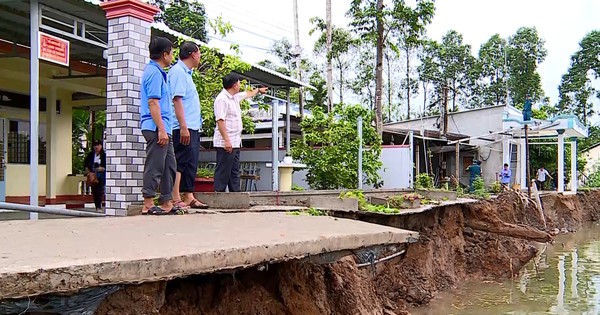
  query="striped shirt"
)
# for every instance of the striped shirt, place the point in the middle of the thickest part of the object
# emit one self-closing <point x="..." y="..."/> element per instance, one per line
<point x="227" y="108"/>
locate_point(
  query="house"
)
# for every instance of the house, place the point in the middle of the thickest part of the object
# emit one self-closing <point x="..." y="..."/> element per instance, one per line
<point x="592" y="156"/>
<point x="446" y="146"/>
<point x="90" y="56"/>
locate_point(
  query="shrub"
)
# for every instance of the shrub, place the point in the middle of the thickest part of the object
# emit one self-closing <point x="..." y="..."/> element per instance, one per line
<point x="424" y="181"/>
<point x="330" y="148"/>
<point x="496" y="188"/>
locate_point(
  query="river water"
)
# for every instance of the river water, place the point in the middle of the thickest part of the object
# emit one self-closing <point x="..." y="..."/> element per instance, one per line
<point x="563" y="279"/>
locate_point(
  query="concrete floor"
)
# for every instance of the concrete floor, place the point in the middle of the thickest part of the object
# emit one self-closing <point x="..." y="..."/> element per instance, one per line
<point x="64" y="255"/>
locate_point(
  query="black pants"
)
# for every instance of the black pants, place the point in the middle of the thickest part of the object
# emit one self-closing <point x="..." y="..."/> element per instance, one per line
<point x="159" y="169"/>
<point x="98" y="193"/>
<point x="227" y="172"/>
<point x="541" y="185"/>
<point x="187" y="159"/>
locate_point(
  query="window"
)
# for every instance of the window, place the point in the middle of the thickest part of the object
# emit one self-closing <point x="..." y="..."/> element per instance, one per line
<point x="18" y="142"/>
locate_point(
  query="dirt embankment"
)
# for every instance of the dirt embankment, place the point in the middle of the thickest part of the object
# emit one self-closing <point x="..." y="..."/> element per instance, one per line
<point x="488" y="239"/>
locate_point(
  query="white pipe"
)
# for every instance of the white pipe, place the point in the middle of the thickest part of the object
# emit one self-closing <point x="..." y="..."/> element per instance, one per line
<point x="35" y="105"/>
<point x="360" y="151"/>
<point x="287" y="124"/>
<point x="392" y="256"/>
<point x="36" y="210"/>
<point x="275" y="144"/>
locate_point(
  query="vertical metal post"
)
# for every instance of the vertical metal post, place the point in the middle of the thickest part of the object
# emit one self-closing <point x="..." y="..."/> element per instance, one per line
<point x="360" y="151"/>
<point x="527" y="164"/>
<point x="411" y="177"/>
<point x="574" y="183"/>
<point x="287" y="124"/>
<point x="275" y="144"/>
<point x="457" y="166"/>
<point x="35" y="105"/>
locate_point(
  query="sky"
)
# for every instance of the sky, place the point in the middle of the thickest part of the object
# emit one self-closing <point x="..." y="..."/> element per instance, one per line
<point x="561" y="25"/>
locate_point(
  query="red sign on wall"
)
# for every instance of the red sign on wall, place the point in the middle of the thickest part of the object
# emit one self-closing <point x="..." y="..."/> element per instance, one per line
<point x="54" y="49"/>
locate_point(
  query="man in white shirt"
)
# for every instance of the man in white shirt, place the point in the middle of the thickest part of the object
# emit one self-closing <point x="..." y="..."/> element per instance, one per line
<point x="228" y="132"/>
<point x="541" y="177"/>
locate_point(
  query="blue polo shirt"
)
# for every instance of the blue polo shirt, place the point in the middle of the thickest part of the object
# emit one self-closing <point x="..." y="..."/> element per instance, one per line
<point x="181" y="84"/>
<point x="154" y="86"/>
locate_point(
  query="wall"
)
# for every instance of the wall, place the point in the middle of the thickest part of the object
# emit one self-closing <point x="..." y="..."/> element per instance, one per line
<point x="17" y="175"/>
<point x="473" y="123"/>
<point x="592" y="157"/>
<point x="395" y="171"/>
<point x="17" y="180"/>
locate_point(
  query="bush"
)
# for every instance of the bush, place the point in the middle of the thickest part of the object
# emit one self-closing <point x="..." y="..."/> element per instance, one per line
<point x="424" y="181"/>
<point x="496" y="188"/>
<point x="479" y="188"/>
<point x="295" y="187"/>
<point x="205" y="173"/>
<point x="593" y="181"/>
<point x="330" y="149"/>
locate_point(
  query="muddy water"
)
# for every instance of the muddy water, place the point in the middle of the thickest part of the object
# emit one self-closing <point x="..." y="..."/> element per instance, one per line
<point x="563" y="279"/>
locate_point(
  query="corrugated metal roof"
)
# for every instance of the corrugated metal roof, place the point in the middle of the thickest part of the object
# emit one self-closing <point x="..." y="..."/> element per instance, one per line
<point x="259" y="73"/>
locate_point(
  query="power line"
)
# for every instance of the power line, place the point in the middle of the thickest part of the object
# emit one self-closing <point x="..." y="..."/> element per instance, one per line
<point x="241" y="44"/>
<point x="262" y="19"/>
<point x="257" y="25"/>
<point x="253" y="33"/>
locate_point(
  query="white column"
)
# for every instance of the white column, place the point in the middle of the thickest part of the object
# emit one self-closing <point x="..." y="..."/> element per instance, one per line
<point x="506" y="151"/>
<point x="561" y="162"/>
<point x="523" y="165"/>
<point x="51" y="144"/>
<point x="34" y="74"/>
<point x="574" y="183"/>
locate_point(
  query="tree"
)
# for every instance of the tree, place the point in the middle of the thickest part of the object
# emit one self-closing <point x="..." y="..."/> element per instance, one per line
<point x="329" y="44"/>
<point x="492" y="59"/>
<point x="410" y="27"/>
<point x="576" y="91"/>
<point x="450" y="64"/>
<point x="186" y="17"/>
<point x="342" y="43"/>
<point x="429" y="71"/>
<point x="525" y="51"/>
<point x="283" y="50"/>
<point x="330" y="149"/>
<point x="363" y="83"/>
<point x="213" y="67"/>
<point x="83" y="129"/>
<point x="319" y="94"/>
<point x="369" y="18"/>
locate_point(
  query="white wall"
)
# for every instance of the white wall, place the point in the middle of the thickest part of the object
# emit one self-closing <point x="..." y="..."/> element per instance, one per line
<point x="395" y="171"/>
<point x="473" y="123"/>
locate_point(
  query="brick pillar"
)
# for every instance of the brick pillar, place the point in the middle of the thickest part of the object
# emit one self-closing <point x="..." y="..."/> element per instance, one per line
<point x="128" y="38"/>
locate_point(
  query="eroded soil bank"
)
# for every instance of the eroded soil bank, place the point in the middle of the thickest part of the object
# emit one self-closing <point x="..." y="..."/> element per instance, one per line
<point x="488" y="239"/>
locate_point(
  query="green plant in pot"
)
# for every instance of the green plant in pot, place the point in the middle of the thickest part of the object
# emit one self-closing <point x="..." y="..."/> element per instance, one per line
<point x="204" y="181"/>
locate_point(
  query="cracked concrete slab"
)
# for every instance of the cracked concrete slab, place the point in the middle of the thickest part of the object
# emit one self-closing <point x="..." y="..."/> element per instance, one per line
<point x="66" y="255"/>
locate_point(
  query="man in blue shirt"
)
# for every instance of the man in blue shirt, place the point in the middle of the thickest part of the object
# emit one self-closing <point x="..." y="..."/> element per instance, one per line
<point x="505" y="176"/>
<point x="156" y="114"/>
<point x="187" y="122"/>
<point x="474" y="172"/>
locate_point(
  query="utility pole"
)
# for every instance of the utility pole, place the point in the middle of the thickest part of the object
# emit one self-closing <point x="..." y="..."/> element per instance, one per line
<point x="329" y="65"/>
<point x="297" y="52"/>
<point x="444" y="113"/>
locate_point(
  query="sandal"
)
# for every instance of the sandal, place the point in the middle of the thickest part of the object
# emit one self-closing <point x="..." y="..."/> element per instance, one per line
<point x="180" y="204"/>
<point x="177" y="210"/>
<point x="155" y="211"/>
<point x="197" y="204"/>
